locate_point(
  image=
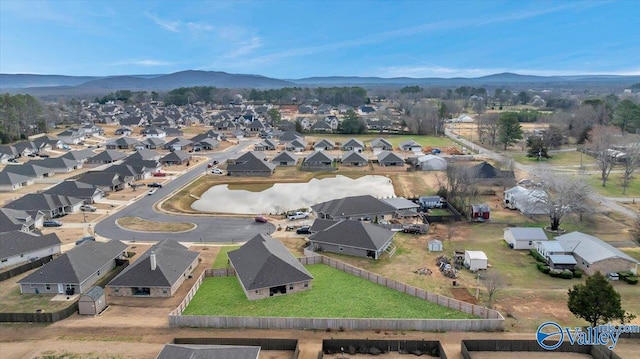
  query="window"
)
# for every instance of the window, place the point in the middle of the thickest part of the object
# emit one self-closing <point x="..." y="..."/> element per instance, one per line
<point x="164" y="291"/>
<point x="340" y="249"/>
<point x="48" y="286"/>
<point x="291" y="287"/>
<point x="98" y="273"/>
<point x="530" y="242"/>
<point x="306" y="285"/>
<point x="4" y="260"/>
<point x="116" y="290"/>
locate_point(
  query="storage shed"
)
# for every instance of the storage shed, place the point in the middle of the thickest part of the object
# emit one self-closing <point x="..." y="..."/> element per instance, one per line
<point x="523" y="237"/>
<point x="92" y="302"/>
<point x="435" y="245"/>
<point x="475" y="260"/>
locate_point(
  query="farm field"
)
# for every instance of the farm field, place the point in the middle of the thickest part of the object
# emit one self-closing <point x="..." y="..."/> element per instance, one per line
<point x="334" y="294"/>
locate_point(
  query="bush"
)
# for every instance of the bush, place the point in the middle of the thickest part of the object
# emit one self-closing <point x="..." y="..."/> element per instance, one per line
<point x="631" y="280"/>
<point x="534" y="253"/>
<point x="577" y="273"/>
<point x="543" y="268"/>
<point x="566" y="274"/>
<point x="625" y="274"/>
<point x="556" y="273"/>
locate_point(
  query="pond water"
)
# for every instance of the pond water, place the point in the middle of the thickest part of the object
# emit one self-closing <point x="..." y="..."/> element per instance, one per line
<point x="283" y="197"/>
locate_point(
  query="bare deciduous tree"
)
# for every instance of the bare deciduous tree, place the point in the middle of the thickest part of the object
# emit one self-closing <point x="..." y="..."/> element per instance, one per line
<point x="630" y="162"/>
<point x="493" y="282"/>
<point x="602" y="137"/>
<point x="460" y="185"/>
<point x="488" y="127"/>
<point x="563" y="195"/>
<point x="635" y="230"/>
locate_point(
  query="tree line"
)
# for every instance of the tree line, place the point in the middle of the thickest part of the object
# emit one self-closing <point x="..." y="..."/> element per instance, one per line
<point x="20" y="116"/>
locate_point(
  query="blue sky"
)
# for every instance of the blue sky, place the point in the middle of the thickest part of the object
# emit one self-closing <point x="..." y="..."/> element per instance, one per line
<point x="295" y="39"/>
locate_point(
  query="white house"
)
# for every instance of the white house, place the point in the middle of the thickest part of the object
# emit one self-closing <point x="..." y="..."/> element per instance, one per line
<point x="523" y="237"/>
<point x="475" y="260"/>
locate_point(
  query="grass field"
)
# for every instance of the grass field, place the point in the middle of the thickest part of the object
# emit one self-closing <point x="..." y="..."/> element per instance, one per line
<point x="222" y="259"/>
<point x="570" y="159"/>
<point x="614" y="185"/>
<point x="139" y="224"/>
<point x="334" y="294"/>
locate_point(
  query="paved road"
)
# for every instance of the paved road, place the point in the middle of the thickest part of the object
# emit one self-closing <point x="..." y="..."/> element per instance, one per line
<point x="208" y="228"/>
<point x="532" y="170"/>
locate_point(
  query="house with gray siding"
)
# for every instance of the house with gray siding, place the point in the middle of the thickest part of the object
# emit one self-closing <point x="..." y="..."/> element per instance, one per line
<point x="159" y="272"/>
<point x="318" y="161"/>
<point x="86" y="192"/>
<point x="388" y="158"/>
<point x="76" y="270"/>
<point x="353" y="159"/>
<point x="266" y="268"/>
<point x="50" y="204"/>
<point x="250" y="164"/>
<point x="364" y="207"/>
<point x="12" y="181"/>
<point x="380" y="144"/>
<point x="353" y="144"/>
<point x="354" y="238"/>
<point x="19" y="220"/>
<point x="18" y="247"/>
<point x="285" y="159"/>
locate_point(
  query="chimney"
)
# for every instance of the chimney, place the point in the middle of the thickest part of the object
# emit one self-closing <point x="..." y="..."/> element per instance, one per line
<point x="152" y="258"/>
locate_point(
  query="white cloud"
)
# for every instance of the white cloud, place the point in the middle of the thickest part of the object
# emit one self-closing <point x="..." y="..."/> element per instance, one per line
<point x="194" y="26"/>
<point x="448" y="72"/>
<point x="173" y="26"/>
<point x="246" y="47"/>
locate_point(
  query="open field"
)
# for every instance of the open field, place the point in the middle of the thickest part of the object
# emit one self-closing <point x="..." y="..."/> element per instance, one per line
<point x="334" y="294"/>
<point x="139" y="224"/>
<point x="570" y="159"/>
<point x="222" y="259"/>
<point x="614" y="185"/>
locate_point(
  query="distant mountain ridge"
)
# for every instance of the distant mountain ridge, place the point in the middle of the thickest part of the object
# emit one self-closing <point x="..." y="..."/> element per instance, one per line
<point x="60" y="83"/>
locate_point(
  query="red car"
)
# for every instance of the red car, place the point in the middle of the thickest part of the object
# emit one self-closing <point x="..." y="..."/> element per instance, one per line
<point x="261" y="219"/>
<point x="159" y="174"/>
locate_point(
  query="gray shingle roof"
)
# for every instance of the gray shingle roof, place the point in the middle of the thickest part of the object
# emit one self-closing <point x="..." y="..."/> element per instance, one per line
<point x="353" y="206"/>
<point x="525" y="233"/>
<point x="28" y="169"/>
<point x="388" y="156"/>
<point x="354" y="234"/>
<point x="108" y="156"/>
<point x="284" y="157"/>
<point x="590" y="248"/>
<point x="265" y="262"/>
<point x="352" y="156"/>
<point x="101" y="179"/>
<point x="18" y="242"/>
<point x="42" y="202"/>
<point x="79" y="155"/>
<point x="353" y="142"/>
<point x="78" y="264"/>
<point x="10" y="179"/>
<point x="381" y="143"/>
<point x="318" y="157"/>
<point x="172" y="260"/>
<point x="251" y="161"/>
<point x="176" y="156"/>
<point x="186" y="351"/>
<point x="77" y="189"/>
<point x="14" y="219"/>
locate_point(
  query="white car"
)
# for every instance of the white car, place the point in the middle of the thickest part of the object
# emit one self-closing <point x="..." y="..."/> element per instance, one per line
<point x="217" y="171"/>
<point x="88" y="208"/>
<point x="298" y="215"/>
<point x="152" y="191"/>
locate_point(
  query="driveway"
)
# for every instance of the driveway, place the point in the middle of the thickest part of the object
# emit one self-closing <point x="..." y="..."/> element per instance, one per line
<point x="208" y="228"/>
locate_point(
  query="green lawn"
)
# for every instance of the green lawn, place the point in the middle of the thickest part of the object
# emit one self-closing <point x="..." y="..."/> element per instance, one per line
<point x="614" y="185"/>
<point x="571" y="158"/>
<point x="222" y="260"/>
<point x="334" y="294"/>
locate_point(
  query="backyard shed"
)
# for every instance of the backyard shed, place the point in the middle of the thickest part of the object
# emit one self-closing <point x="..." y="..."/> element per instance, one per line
<point x="475" y="260"/>
<point x="92" y="302"/>
<point x="523" y="237"/>
<point x="435" y="245"/>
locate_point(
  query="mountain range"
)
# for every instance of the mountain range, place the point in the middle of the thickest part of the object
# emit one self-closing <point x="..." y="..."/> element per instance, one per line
<point x="29" y="83"/>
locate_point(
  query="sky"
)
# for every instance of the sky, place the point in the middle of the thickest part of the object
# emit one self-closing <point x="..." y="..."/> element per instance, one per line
<point x="292" y="39"/>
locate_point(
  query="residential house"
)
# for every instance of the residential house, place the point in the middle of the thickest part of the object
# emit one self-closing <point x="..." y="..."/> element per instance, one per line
<point x="410" y="146"/>
<point x="106" y="181"/>
<point x="178" y="144"/>
<point x="484" y="172"/>
<point x="250" y="164"/>
<point x="355" y="207"/>
<point x="529" y="201"/>
<point x="143" y="154"/>
<point x="480" y="211"/>
<point x="46" y="143"/>
<point x="60" y="164"/>
<point x="25" y="148"/>
<point x="354" y="145"/>
<point x="296" y="145"/>
<point x="126" y="172"/>
<point x="256" y="126"/>
<point x="124" y="131"/>
<point x="403" y="206"/>
<point x="71" y="136"/>
<point x="429" y="202"/>
<point x="306" y="110"/>
<point x="89" y="130"/>
<point x="145" y="167"/>
<point x="106" y="157"/>
<point x="354" y="238"/>
<point x="76" y="270"/>
<point x="84" y="191"/>
<point x="19" y="220"/>
<point x="19" y="247"/>
<point x="324" y="109"/>
<point x="388" y="158"/>
<point x="366" y="110"/>
<point x="175" y="158"/>
<point x="524" y="237"/>
<point x="284" y="159"/>
<point x="324" y="145"/>
<point x="318" y="161"/>
<point x="159" y="272"/>
<point x="593" y="254"/>
<point x="206" y="144"/>
<point x="80" y="156"/>
<point x="266" y="268"/>
<point x="431" y="163"/>
<point x="288" y="136"/>
<point x="321" y="126"/>
<point x="30" y="169"/>
<point x="122" y="143"/>
<point x="184" y="351"/>
<point x="51" y="205"/>
<point x="12" y="181"/>
<point x="266" y="145"/>
<point x="380" y="144"/>
<point x="153" y="132"/>
<point x="209" y="134"/>
<point x="152" y="143"/>
<point x="333" y="122"/>
<point x="355" y="159"/>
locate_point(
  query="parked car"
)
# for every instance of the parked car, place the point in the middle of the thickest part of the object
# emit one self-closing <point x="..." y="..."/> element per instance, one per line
<point x="261" y="219"/>
<point x="613" y="276"/>
<point x="159" y="174"/>
<point x="88" y="208"/>
<point x="155" y="185"/>
<point x="51" y="223"/>
<point x="413" y="229"/>
<point x="32" y="155"/>
<point x="85" y="239"/>
<point x="211" y="164"/>
<point x="217" y="171"/>
<point x="43" y="155"/>
<point x="304" y="230"/>
<point x="298" y="215"/>
<point x="151" y="191"/>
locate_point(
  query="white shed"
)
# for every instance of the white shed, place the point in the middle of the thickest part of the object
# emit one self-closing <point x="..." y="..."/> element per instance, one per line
<point x="435" y="245"/>
<point x="523" y="237"/>
<point x="475" y="260"/>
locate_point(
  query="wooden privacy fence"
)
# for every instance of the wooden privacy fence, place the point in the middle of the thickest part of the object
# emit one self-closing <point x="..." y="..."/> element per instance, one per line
<point x="428" y="347"/>
<point x="25" y="267"/>
<point x="45" y="317"/>
<point x="467" y="347"/>
<point x="491" y="320"/>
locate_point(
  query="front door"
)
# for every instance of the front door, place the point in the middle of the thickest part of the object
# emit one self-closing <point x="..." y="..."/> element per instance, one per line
<point x="60" y="288"/>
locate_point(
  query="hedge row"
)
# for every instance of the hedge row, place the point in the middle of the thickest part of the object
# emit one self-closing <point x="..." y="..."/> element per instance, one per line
<point x="631" y="279"/>
<point x="534" y="253"/>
